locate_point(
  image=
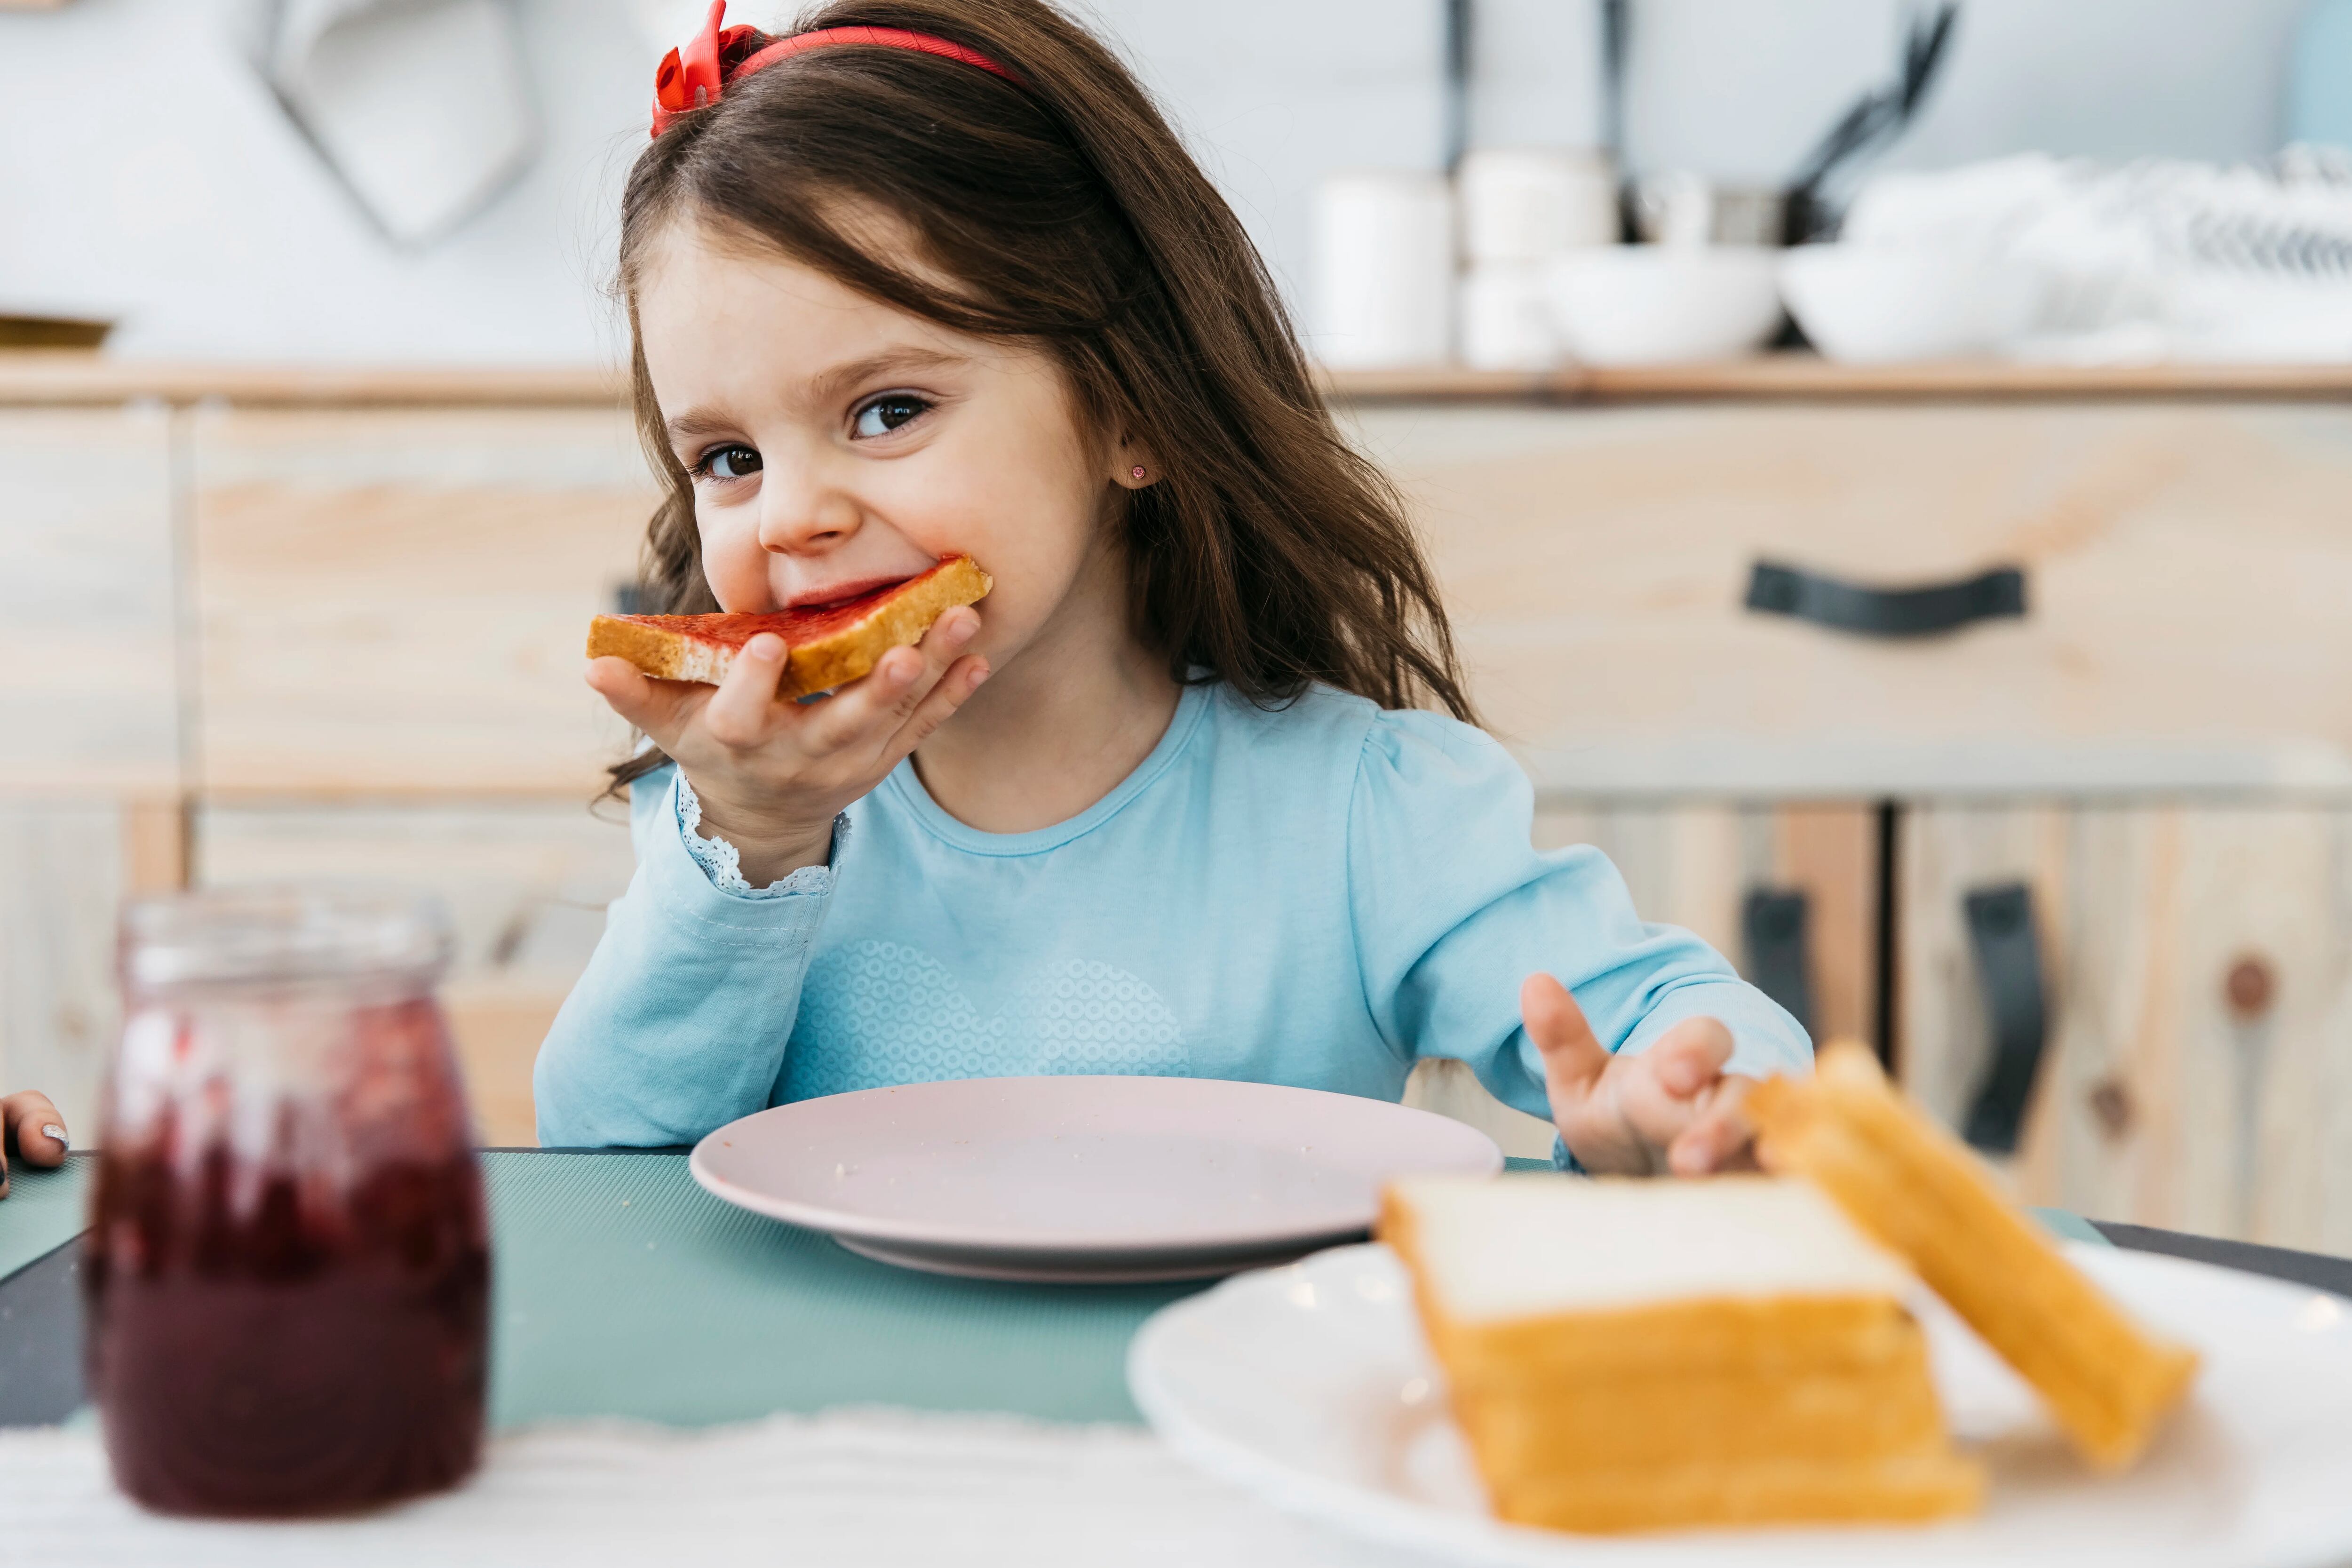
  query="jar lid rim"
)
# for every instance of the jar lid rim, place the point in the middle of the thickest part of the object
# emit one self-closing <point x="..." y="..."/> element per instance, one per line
<point x="269" y="932"/>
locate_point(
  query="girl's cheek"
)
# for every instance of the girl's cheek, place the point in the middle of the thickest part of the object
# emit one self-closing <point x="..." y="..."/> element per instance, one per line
<point x="732" y="560"/>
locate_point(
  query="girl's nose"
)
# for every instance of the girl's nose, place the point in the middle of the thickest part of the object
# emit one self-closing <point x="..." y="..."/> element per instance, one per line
<point x="803" y="514"/>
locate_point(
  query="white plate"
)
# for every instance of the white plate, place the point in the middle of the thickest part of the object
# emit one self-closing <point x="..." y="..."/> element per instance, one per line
<point x="1083" y="1178"/>
<point x="1311" y="1385"/>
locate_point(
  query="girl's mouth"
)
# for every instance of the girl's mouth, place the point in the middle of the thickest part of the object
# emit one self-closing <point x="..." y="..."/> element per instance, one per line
<point x="837" y="593"/>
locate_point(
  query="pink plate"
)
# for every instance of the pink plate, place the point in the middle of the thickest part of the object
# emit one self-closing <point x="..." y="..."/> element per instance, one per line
<point x="1098" y="1179"/>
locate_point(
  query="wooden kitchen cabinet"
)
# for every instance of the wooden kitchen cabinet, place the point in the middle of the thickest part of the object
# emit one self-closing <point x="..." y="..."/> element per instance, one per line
<point x="2197" y="1070"/>
<point x="2185" y="564"/>
<point x="89" y="562"/>
<point x="396" y="600"/>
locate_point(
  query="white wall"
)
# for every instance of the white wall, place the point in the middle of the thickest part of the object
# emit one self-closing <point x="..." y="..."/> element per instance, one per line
<point x="144" y="172"/>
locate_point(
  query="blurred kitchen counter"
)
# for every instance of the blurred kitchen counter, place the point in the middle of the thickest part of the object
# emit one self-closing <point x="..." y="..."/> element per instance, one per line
<point x="268" y="621"/>
<point x="69" y="377"/>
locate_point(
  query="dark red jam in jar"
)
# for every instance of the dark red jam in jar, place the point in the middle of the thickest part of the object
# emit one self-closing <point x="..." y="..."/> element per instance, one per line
<point x="287" y="1272"/>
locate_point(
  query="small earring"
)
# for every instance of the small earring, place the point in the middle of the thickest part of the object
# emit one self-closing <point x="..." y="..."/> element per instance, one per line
<point x="1137" y="470"/>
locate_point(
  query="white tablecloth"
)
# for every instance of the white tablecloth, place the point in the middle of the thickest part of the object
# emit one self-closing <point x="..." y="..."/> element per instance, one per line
<point x="870" y="1488"/>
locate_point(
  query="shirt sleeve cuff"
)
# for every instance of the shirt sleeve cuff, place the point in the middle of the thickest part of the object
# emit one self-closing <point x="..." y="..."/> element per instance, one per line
<point x="722" y="863"/>
<point x="1765" y="1039"/>
<point x="683" y="892"/>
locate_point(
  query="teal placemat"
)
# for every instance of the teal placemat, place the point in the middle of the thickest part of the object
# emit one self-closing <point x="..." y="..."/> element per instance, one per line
<point x="624" y="1290"/>
<point x="2070" y="1225"/>
<point x="43" y="1210"/>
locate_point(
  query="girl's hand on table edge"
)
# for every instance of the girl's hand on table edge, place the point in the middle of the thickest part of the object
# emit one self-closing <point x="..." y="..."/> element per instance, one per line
<point x="1670" y="1107"/>
<point x="773" y="772"/>
<point x="33" y="1129"/>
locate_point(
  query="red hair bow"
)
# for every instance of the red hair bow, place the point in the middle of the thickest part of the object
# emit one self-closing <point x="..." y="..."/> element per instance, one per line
<point x="693" y="75"/>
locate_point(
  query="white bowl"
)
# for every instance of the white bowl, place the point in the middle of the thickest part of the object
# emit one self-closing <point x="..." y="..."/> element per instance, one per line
<point x="1656" y="304"/>
<point x="1868" y="304"/>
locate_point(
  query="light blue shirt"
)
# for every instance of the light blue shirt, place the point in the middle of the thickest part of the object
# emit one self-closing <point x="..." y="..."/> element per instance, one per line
<point x="1318" y="895"/>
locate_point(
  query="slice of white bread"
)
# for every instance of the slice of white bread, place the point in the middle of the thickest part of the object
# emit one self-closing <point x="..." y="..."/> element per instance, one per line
<point x="825" y="646"/>
<point x="1919" y="1191"/>
<point x="1629" y="1355"/>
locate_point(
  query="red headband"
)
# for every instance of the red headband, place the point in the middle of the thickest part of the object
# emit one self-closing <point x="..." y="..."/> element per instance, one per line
<point x="692" y="76"/>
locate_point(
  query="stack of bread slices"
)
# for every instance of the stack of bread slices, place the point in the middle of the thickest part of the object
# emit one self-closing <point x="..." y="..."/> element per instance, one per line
<point x="1628" y="1355"/>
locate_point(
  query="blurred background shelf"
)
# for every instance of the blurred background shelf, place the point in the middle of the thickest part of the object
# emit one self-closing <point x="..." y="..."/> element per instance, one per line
<point x="1806" y="375"/>
<point x="47" y="376"/>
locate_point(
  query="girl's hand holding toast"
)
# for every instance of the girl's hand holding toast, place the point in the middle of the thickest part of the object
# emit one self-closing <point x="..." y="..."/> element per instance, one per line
<point x="1669" y="1108"/>
<point x="773" y="772"/>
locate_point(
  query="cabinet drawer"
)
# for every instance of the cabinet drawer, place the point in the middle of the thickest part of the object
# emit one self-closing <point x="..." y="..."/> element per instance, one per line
<point x="86" y="600"/>
<point x="2197" y="965"/>
<point x="2185" y="565"/>
<point x="526" y="887"/>
<point x="396" y="599"/>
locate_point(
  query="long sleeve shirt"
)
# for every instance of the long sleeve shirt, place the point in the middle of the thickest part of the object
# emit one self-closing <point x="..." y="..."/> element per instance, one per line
<point x="1319" y="894"/>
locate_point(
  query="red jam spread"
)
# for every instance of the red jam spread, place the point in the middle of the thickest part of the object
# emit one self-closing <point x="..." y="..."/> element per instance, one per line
<point x="798" y="628"/>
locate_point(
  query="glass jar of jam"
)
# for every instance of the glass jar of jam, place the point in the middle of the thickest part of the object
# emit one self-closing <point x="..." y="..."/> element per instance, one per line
<point x="287" y="1276"/>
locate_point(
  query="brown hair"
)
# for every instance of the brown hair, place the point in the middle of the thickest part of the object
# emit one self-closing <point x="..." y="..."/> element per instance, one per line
<point x="1269" y="555"/>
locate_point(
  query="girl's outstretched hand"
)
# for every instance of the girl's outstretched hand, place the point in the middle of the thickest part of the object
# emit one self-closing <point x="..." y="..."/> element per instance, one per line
<point x="31" y="1128"/>
<point x="773" y="772"/>
<point x="1669" y="1108"/>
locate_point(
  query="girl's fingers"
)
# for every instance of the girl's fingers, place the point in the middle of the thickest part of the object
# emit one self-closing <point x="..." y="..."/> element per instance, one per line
<point x="742" y="713"/>
<point x="1690" y="1056"/>
<point x="899" y="682"/>
<point x="947" y="695"/>
<point x="34" y="1129"/>
<point x="1722" y="1139"/>
<point x="1573" y="1058"/>
<point x="659" y="708"/>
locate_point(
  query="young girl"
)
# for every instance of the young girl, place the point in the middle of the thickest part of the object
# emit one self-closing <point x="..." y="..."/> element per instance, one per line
<point x="933" y="276"/>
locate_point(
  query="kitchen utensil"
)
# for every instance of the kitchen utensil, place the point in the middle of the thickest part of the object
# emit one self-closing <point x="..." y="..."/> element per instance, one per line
<point x="1311" y="1386"/>
<point x="1458" y="66"/>
<point x="1616" y="46"/>
<point x="288" y="1268"/>
<point x="1080" y="1178"/>
<point x="1865" y="304"/>
<point x="1869" y="127"/>
<point x="1686" y="208"/>
<point x="1384" y="270"/>
<point x="1525" y="204"/>
<point x="1507" y="318"/>
<point x="1658" y="304"/>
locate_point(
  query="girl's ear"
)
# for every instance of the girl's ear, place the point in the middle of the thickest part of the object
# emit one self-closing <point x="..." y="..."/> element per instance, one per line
<point x="1133" y="466"/>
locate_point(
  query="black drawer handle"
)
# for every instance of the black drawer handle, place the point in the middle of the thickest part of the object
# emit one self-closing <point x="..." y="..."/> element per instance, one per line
<point x="1778" y="590"/>
<point x="1773" y="922"/>
<point x="2008" y="963"/>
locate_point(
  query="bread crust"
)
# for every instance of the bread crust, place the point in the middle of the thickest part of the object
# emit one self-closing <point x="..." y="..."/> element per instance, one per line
<point x="667" y="648"/>
<point x="1902" y="1178"/>
<point x="1715" y="1410"/>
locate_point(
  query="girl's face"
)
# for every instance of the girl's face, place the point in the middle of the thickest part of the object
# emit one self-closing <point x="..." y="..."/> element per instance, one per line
<point x="838" y="445"/>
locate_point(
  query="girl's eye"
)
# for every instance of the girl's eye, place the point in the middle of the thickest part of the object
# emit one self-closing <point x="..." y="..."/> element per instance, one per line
<point x="727" y="463"/>
<point x="887" y="413"/>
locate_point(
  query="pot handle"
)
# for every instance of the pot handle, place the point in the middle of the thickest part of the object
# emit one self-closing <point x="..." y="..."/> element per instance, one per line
<point x="1777" y="589"/>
